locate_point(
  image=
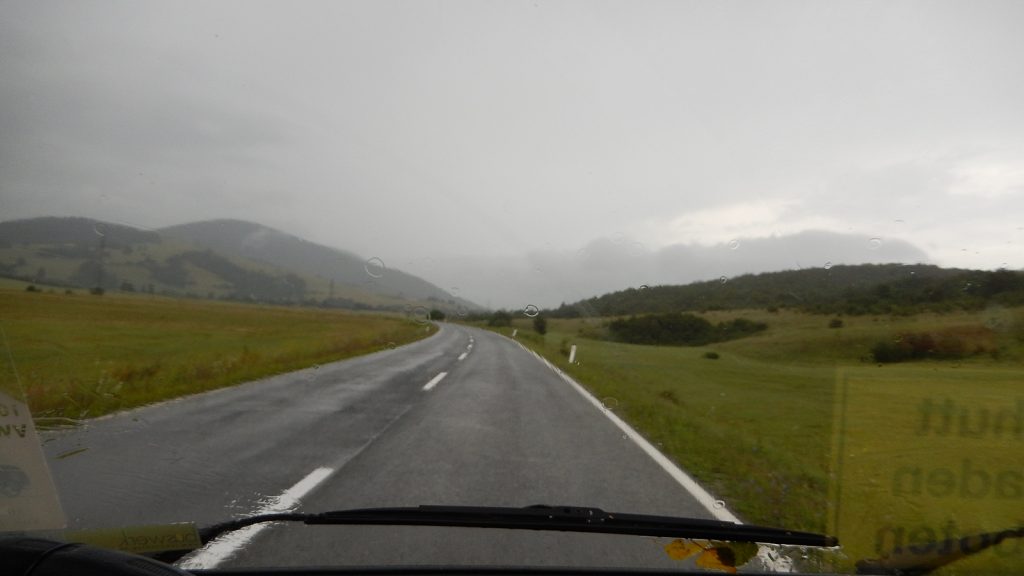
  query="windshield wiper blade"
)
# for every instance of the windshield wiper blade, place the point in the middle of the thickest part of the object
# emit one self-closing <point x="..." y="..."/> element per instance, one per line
<point x="557" y="518"/>
<point x="918" y="559"/>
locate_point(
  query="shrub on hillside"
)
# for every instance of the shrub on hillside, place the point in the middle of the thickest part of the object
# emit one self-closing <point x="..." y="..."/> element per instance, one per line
<point x="680" y="329"/>
<point x="909" y="346"/>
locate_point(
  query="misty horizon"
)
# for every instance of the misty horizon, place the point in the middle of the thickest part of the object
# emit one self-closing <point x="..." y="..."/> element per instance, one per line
<point x="605" y="145"/>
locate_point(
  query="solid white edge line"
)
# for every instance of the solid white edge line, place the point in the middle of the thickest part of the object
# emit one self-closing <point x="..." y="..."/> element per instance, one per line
<point x="224" y="547"/>
<point x="696" y="490"/>
<point x="463" y="356"/>
<point x="772" y="562"/>
<point x="433" y="382"/>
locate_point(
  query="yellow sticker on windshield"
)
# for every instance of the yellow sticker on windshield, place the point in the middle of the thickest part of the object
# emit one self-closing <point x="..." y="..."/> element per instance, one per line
<point x="141" y="539"/>
<point x="923" y="457"/>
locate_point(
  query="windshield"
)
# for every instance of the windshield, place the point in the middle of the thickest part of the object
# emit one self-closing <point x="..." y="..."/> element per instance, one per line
<point x="750" y="262"/>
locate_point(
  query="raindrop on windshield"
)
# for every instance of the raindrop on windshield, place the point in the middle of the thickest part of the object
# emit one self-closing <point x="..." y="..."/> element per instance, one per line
<point x="723" y="279"/>
<point x="374" y="267"/>
<point x="100" y="229"/>
<point x="461" y="310"/>
<point x="734" y="244"/>
<point x="391" y="345"/>
<point x="719" y="504"/>
<point x="610" y="403"/>
<point x="420" y="315"/>
<point x="644" y="287"/>
<point x="828" y="265"/>
<point x="531" y="310"/>
<point x="875" y="243"/>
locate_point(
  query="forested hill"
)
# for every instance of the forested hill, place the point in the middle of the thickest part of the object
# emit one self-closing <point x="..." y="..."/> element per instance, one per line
<point x="859" y="289"/>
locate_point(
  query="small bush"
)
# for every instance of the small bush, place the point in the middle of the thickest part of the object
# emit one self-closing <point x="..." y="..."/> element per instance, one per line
<point x="540" y="325"/>
<point x="835" y="323"/>
<point x="32" y="288"/>
<point x="500" y="318"/>
<point x="712" y="355"/>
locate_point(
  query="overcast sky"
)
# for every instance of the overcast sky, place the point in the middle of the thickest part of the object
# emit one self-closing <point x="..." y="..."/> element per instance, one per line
<point x="537" y="150"/>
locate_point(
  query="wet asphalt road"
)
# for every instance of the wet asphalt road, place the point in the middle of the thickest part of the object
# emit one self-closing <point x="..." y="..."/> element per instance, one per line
<point x="500" y="428"/>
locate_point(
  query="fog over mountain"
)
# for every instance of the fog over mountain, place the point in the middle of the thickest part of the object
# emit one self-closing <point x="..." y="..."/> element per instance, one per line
<point x="547" y="278"/>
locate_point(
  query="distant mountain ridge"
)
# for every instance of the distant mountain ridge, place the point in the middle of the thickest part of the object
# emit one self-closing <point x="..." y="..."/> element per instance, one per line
<point x="265" y="244"/>
<point x="224" y="259"/>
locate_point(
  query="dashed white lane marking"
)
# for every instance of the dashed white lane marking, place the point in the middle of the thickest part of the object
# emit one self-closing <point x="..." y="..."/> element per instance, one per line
<point x="433" y="382"/>
<point x="227" y="545"/>
<point x="463" y="356"/>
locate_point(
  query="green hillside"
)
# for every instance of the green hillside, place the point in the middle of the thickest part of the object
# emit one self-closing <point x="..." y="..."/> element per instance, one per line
<point x="84" y="254"/>
<point x="854" y="290"/>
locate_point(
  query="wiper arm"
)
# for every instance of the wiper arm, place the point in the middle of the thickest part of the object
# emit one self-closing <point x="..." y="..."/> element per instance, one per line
<point x="934" y="555"/>
<point x="559" y="518"/>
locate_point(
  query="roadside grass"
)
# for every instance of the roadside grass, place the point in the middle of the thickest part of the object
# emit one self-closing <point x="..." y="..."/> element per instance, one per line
<point x="80" y="356"/>
<point x="755" y="425"/>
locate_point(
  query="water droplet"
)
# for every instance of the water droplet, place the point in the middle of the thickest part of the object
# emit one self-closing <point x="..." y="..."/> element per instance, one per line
<point x="644" y="287"/>
<point x="531" y="310"/>
<point x="723" y="279"/>
<point x="374" y="267"/>
<point x="420" y="315"/>
<point x="461" y="311"/>
<point x="610" y="403"/>
<point x="734" y="244"/>
<point x="391" y="345"/>
<point x="875" y="243"/>
<point x="100" y="229"/>
<point x="316" y="367"/>
<point x="719" y="504"/>
<point x="828" y="265"/>
<point x="453" y="289"/>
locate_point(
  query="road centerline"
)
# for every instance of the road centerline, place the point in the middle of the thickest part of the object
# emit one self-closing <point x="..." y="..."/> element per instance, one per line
<point x="433" y="382"/>
<point x="224" y="547"/>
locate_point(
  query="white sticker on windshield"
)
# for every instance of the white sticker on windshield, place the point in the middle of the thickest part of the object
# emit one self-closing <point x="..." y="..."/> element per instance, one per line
<point x="28" y="498"/>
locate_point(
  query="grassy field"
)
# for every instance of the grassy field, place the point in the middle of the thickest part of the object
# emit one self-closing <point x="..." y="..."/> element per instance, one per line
<point x="756" y="425"/>
<point x="80" y="356"/>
